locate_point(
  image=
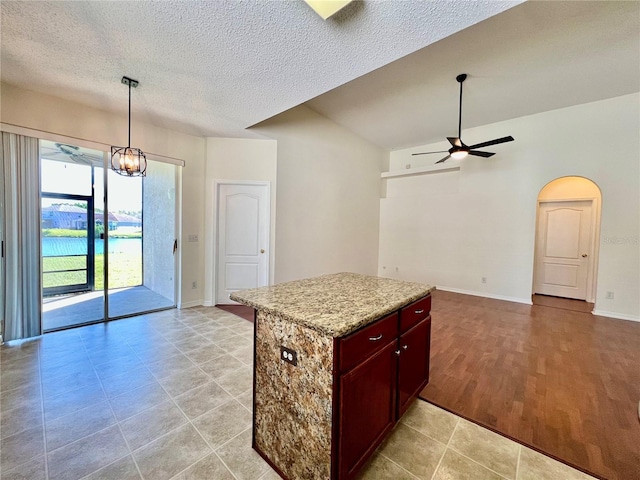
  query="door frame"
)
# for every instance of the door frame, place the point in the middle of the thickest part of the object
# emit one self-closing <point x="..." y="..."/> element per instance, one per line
<point x="594" y="250"/>
<point x="89" y="285"/>
<point x="216" y="228"/>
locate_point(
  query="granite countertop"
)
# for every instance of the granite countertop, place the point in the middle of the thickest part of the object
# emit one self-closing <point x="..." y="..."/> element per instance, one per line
<point x="335" y="304"/>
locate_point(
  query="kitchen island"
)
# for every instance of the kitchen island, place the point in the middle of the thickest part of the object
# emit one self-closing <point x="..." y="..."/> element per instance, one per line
<point x="338" y="360"/>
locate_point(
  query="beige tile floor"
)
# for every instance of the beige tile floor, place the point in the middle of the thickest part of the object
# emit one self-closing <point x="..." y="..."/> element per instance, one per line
<point x="168" y="396"/>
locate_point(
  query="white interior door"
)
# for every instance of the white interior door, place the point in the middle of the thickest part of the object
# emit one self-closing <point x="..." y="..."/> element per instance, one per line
<point x="243" y="235"/>
<point x="563" y="249"/>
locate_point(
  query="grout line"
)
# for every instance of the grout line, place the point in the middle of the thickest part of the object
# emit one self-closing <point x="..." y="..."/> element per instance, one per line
<point x="480" y="464"/>
<point x="126" y="442"/>
<point x="84" y="342"/>
<point x="475" y="461"/>
<point x="189" y="420"/>
<point x="82" y="438"/>
<point x="424" y="434"/>
<point x="225" y="465"/>
<point x="518" y="462"/>
<point x="392" y="461"/>
<point x="213" y="451"/>
<point x="44" y="420"/>
<point x="455" y="427"/>
<point x="22" y="358"/>
<point x="468" y="458"/>
<point x="197" y="365"/>
<point x="225" y="443"/>
<point x="235" y="436"/>
<point x="106" y="466"/>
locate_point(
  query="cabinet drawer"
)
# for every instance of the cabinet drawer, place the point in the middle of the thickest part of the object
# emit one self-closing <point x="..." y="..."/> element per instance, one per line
<point x="412" y="314"/>
<point x="359" y="345"/>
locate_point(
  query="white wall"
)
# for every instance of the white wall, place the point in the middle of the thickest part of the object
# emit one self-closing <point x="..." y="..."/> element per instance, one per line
<point x="450" y="229"/>
<point x="61" y="117"/>
<point x="236" y="159"/>
<point x="328" y="197"/>
<point x="159" y="195"/>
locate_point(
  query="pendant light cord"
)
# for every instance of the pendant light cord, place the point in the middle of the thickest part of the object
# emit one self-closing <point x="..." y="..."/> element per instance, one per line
<point x="129" y="139"/>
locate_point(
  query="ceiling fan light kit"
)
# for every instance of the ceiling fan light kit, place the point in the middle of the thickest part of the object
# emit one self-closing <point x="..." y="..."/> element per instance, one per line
<point x="129" y="161"/>
<point x="459" y="155"/>
<point x="459" y="150"/>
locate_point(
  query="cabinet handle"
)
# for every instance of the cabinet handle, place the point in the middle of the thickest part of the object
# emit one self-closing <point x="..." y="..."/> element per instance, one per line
<point x="419" y="311"/>
<point x="397" y="352"/>
<point x="405" y="347"/>
<point x="375" y="339"/>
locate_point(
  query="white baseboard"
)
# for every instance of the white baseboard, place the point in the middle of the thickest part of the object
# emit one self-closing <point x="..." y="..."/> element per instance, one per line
<point x="619" y="316"/>
<point x="192" y="303"/>
<point x="602" y="313"/>
<point x="208" y="303"/>
<point x="526" y="301"/>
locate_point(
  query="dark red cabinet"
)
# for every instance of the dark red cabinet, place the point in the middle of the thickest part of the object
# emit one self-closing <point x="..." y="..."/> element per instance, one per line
<point x="413" y="364"/>
<point x="378" y="371"/>
<point x="368" y="408"/>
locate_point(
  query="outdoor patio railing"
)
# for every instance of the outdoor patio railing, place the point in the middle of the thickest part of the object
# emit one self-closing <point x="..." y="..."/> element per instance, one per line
<point x="65" y="274"/>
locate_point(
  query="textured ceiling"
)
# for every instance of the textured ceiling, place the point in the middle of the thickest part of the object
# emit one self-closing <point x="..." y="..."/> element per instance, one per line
<point x="536" y="57"/>
<point x="214" y="68"/>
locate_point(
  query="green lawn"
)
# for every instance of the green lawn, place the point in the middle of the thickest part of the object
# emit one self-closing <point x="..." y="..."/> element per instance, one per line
<point x="125" y="270"/>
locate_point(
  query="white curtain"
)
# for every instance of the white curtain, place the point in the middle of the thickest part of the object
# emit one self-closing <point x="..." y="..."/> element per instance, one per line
<point x="21" y="315"/>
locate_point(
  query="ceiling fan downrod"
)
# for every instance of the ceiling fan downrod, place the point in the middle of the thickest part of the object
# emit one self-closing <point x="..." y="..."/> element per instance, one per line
<point x="460" y="78"/>
<point x="458" y="149"/>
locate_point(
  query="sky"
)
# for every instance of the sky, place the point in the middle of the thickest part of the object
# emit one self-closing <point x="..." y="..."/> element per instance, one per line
<point x="125" y="193"/>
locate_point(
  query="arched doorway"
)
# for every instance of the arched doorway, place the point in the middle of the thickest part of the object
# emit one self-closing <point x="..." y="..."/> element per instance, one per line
<point x="567" y="239"/>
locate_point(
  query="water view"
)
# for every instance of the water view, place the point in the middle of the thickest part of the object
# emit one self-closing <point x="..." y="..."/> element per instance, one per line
<point x="57" y="246"/>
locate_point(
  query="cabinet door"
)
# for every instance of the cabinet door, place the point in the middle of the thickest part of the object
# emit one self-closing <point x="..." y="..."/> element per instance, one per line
<point x="413" y="370"/>
<point x="367" y="408"/>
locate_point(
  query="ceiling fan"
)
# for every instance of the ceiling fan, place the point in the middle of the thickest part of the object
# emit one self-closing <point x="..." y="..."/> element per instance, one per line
<point x="69" y="153"/>
<point x="458" y="149"/>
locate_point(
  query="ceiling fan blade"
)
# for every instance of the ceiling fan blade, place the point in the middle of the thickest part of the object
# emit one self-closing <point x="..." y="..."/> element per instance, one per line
<point x="443" y="159"/>
<point x="63" y="146"/>
<point x="478" y="153"/>
<point x="493" y="142"/>
<point x="426" y="153"/>
<point x="455" y="141"/>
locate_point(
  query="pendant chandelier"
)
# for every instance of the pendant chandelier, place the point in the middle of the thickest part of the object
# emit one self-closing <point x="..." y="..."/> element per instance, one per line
<point x="129" y="161"/>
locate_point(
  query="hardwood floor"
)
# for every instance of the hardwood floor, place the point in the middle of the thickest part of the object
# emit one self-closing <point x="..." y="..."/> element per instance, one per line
<point x="563" y="303"/>
<point x="564" y="382"/>
<point x="240" y="310"/>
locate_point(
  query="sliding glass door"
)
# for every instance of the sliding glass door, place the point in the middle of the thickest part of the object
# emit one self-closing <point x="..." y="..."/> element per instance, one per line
<point x="141" y="236"/>
<point x="71" y="217"/>
<point x="126" y="244"/>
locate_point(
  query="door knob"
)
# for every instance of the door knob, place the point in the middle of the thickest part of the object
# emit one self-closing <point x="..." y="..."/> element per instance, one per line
<point x="584" y="255"/>
<point x="262" y="250"/>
